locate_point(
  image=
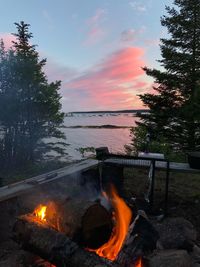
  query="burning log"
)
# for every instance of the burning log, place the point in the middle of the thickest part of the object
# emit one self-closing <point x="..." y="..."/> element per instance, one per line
<point x="52" y="245"/>
<point x="141" y="238"/>
<point x="86" y="222"/>
<point x="36" y="232"/>
<point x="122" y="217"/>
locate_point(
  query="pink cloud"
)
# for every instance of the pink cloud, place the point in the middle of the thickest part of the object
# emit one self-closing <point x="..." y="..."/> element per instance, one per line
<point x="120" y="67"/>
<point x="123" y="65"/>
<point x="98" y="16"/>
<point x="94" y="35"/>
<point x="112" y="84"/>
<point x="95" y="32"/>
<point x="55" y="71"/>
<point x="7" y="39"/>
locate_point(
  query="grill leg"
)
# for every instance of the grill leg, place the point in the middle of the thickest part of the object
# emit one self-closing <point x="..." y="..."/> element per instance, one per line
<point x="166" y="190"/>
<point x="151" y="197"/>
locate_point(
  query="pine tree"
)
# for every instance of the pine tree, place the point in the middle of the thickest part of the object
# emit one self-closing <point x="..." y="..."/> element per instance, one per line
<point x="34" y="116"/>
<point x="8" y="105"/>
<point x="174" y="107"/>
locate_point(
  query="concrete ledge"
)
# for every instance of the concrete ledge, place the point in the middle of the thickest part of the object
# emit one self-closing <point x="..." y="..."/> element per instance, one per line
<point x="21" y="187"/>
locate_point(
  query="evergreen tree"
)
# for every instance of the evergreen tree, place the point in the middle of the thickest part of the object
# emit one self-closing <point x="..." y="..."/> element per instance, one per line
<point x="8" y="107"/>
<point x="33" y="116"/>
<point x="174" y="108"/>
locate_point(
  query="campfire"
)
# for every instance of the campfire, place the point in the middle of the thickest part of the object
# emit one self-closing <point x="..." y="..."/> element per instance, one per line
<point x="93" y="232"/>
<point x="122" y="218"/>
<point x="40" y="213"/>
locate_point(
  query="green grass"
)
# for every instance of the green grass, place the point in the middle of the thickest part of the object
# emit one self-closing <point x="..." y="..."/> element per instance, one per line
<point x="181" y="185"/>
<point x="184" y="192"/>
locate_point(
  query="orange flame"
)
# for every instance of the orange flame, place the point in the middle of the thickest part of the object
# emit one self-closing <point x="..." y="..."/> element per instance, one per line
<point x="43" y="263"/>
<point x="40" y="212"/>
<point x="122" y="217"/>
<point x="139" y="263"/>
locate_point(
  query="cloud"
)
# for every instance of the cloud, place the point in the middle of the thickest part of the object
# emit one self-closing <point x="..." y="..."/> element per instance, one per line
<point x="94" y="35"/>
<point x="55" y="71"/>
<point x="128" y="35"/>
<point x="112" y="84"/>
<point x="121" y="66"/>
<point x="95" y="30"/>
<point x="7" y="39"/>
<point x="97" y="17"/>
<point x="132" y="35"/>
<point x="48" y="19"/>
<point x="138" y="6"/>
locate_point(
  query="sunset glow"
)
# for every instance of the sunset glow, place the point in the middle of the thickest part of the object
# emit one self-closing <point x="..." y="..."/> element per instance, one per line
<point x="97" y="49"/>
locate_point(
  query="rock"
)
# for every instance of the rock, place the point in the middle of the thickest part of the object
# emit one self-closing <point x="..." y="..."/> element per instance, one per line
<point x="195" y="255"/>
<point x="12" y="255"/>
<point x="176" y="233"/>
<point x="170" y="258"/>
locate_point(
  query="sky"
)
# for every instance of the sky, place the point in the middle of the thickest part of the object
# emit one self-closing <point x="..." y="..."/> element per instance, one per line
<point x="97" y="48"/>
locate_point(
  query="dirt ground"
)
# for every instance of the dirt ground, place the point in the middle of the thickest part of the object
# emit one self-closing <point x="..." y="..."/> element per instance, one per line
<point x="184" y="193"/>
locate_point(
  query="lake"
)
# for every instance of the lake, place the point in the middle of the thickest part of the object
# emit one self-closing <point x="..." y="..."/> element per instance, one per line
<point x="114" y="139"/>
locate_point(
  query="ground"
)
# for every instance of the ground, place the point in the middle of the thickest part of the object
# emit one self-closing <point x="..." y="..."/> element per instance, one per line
<point x="184" y="192"/>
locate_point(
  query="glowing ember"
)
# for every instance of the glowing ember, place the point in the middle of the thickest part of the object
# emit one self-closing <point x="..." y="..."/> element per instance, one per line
<point x="40" y="212"/>
<point x="122" y="217"/>
<point x="139" y="263"/>
<point x="43" y="263"/>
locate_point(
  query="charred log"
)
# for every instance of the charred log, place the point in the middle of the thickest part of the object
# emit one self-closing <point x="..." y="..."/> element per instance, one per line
<point x="87" y="222"/>
<point x="52" y="245"/>
<point x="141" y="238"/>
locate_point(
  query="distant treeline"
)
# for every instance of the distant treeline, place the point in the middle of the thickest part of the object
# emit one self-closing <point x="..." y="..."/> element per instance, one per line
<point x="111" y="111"/>
<point x="105" y="126"/>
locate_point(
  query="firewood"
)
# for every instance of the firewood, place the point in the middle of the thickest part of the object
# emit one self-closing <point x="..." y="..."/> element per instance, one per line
<point x="57" y="248"/>
<point x="86" y="222"/>
<point x="141" y="237"/>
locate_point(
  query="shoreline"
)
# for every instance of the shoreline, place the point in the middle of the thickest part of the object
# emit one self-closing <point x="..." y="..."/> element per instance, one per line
<point x="104" y="126"/>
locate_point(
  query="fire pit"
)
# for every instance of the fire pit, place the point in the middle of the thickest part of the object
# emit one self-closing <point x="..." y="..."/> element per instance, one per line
<point x="94" y="235"/>
<point x="68" y="220"/>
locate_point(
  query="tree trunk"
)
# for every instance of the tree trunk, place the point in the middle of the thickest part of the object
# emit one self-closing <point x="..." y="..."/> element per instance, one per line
<point x="54" y="246"/>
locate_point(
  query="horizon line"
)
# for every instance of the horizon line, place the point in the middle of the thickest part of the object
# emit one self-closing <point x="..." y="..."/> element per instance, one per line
<point x="110" y="111"/>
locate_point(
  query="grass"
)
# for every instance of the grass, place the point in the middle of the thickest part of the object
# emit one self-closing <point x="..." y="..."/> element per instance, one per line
<point x="182" y="186"/>
<point x="184" y="192"/>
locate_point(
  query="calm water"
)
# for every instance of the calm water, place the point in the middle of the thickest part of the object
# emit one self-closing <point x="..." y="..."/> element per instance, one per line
<point x="114" y="139"/>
